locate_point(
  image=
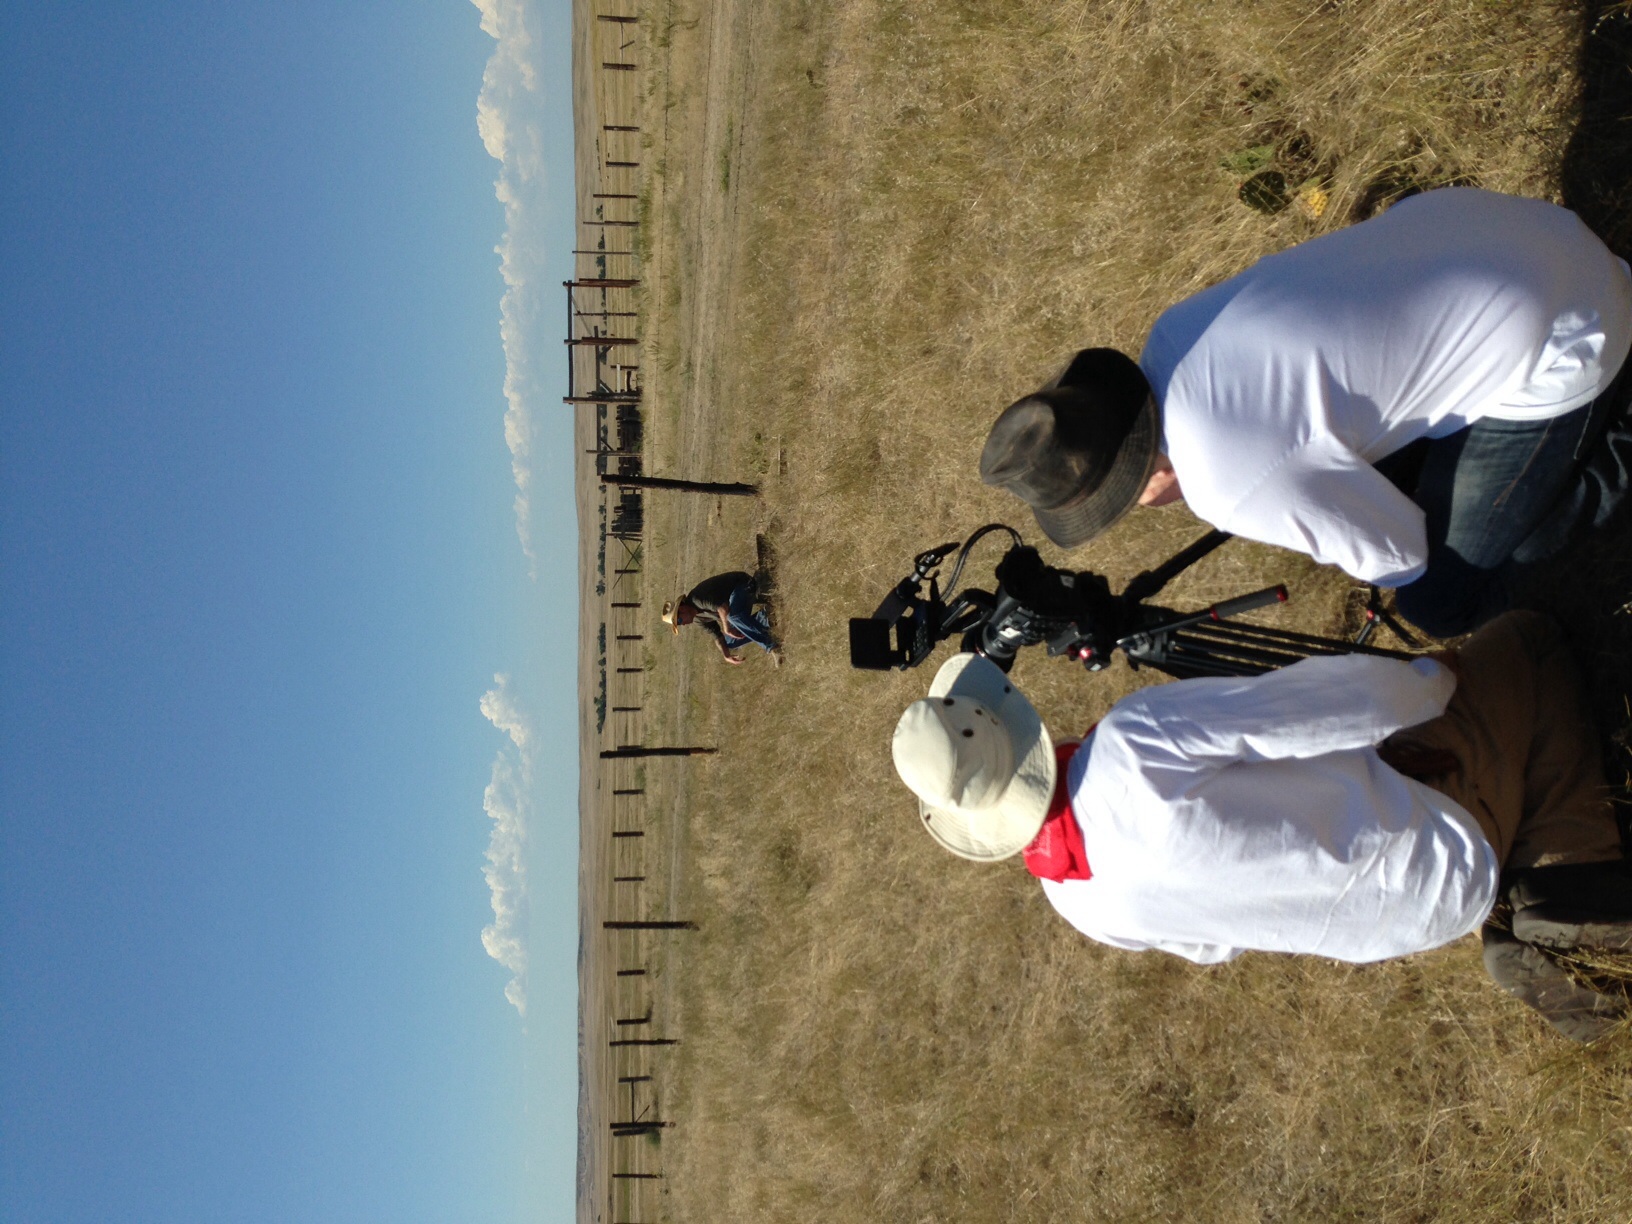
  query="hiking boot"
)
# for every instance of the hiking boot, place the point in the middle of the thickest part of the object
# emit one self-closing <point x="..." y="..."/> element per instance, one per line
<point x="1604" y="889"/>
<point x="1529" y="975"/>
<point x="1564" y="927"/>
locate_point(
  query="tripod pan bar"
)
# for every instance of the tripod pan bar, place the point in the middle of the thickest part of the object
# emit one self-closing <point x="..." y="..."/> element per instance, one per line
<point x="1217" y="612"/>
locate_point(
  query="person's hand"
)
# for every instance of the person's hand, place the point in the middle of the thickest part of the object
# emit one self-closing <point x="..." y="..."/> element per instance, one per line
<point x="734" y="660"/>
<point x="1449" y="660"/>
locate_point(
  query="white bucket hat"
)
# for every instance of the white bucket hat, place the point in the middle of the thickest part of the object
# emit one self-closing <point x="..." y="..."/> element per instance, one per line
<point x="979" y="759"/>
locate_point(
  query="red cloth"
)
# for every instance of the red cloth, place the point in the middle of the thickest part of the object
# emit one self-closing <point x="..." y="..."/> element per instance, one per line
<point x="1057" y="852"/>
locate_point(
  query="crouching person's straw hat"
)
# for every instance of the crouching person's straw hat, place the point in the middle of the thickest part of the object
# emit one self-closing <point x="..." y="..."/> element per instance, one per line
<point x="671" y="613"/>
<point x="979" y="759"/>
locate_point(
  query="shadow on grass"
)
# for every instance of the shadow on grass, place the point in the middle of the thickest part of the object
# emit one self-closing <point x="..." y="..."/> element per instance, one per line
<point x="1589" y="587"/>
<point x="1596" y="174"/>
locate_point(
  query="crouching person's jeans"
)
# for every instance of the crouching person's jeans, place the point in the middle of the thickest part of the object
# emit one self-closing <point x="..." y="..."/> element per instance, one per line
<point x="746" y="623"/>
<point x="1483" y="491"/>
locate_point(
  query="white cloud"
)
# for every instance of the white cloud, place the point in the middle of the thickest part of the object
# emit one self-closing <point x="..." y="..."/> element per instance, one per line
<point x="510" y="119"/>
<point x="501" y="710"/>
<point x="508" y="803"/>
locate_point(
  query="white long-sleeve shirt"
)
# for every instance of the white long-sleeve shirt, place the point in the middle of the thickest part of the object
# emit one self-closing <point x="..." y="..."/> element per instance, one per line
<point x="1281" y="386"/>
<point x="1222" y="815"/>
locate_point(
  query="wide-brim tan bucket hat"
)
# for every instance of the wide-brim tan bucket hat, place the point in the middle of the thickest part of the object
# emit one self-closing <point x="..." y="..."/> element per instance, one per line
<point x="980" y="760"/>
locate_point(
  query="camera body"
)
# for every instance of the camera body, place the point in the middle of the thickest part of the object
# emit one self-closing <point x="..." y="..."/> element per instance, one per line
<point x="1073" y="613"/>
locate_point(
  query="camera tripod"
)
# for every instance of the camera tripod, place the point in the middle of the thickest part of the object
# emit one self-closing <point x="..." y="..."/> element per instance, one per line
<point x="1209" y="643"/>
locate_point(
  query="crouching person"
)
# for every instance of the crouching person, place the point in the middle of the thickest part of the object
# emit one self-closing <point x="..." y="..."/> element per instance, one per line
<point x="1352" y="807"/>
<point x="724" y="606"/>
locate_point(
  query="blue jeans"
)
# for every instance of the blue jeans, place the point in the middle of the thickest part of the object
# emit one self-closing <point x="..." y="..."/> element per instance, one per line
<point x="1484" y="490"/>
<point x="746" y="623"/>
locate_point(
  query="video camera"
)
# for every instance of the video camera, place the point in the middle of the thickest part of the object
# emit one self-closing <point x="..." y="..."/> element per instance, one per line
<point x="1075" y="614"/>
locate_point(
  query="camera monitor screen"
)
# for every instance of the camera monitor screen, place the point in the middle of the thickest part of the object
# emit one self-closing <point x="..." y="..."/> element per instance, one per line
<point x="870" y="647"/>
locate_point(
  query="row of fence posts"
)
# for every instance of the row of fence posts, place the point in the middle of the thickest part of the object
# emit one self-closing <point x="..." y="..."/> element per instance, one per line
<point x="605" y="330"/>
<point x="616" y="388"/>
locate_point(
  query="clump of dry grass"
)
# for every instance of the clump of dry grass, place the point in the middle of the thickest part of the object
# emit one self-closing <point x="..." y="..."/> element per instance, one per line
<point x="930" y="208"/>
<point x="1601" y="969"/>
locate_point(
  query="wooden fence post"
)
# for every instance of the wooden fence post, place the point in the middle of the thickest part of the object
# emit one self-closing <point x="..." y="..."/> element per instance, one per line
<point x="735" y="489"/>
<point x="627" y="751"/>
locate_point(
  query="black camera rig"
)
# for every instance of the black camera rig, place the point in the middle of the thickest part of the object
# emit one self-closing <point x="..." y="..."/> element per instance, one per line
<point x="1078" y="617"/>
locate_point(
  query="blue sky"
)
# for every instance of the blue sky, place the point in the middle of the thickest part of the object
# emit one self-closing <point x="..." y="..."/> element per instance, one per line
<point x="259" y="564"/>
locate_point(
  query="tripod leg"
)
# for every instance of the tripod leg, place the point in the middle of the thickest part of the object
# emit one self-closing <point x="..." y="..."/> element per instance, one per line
<point x="1374" y="616"/>
<point x="1401" y="632"/>
<point x="1375" y="613"/>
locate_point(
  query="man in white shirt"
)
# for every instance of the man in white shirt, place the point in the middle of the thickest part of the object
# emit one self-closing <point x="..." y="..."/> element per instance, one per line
<point x="1485" y="327"/>
<point x="1352" y="807"/>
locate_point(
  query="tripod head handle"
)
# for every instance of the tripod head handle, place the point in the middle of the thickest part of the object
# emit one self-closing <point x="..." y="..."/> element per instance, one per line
<point x="1246" y="603"/>
<point x="1135" y="642"/>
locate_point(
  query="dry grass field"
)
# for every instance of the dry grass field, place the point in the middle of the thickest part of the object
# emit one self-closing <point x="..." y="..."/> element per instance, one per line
<point x="867" y="225"/>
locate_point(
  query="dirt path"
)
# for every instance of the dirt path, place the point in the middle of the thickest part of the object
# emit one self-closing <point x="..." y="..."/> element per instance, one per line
<point x="711" y="534"/>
